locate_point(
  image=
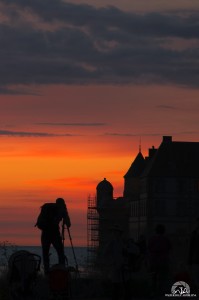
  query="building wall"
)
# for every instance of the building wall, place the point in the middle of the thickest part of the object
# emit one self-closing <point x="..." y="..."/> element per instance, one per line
<point x="171" y="201"/>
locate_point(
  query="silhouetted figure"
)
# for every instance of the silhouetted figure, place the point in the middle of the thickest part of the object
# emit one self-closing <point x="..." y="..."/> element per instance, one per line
<point x="114" y="255"/>
<point x="132" y="255"/>
<point x="48" y="221"/>
<point x="159" y="247"/>
<point x="194" y="255"/>
<point x="132" y="265"/>
<point x="142" y="245"/>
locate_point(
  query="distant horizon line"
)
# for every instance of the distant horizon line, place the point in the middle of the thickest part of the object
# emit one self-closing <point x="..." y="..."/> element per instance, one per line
<point x="41" y="246"/>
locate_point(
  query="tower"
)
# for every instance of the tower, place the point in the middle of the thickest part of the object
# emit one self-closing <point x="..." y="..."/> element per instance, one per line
<point x="104" y="194"/>
<point x="105" y="205"/>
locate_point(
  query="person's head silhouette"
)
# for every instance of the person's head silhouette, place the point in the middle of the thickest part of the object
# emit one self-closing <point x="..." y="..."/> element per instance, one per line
<point x="160" y="229"/>
<point x="60" y="202"/>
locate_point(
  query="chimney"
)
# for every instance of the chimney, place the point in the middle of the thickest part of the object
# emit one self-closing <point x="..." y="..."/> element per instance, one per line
<point x="167" y="138"/>
<point x="152" y="151"/>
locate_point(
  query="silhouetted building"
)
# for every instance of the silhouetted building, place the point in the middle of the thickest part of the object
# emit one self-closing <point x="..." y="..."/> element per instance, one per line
<point x="166" y="191"/>
<point x="112" y="211"/>
<point x="161" y="188"/>
<point x="104" y="212"/>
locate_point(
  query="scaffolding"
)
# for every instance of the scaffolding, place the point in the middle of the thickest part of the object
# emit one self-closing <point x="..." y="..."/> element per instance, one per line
<point x="92" y="232"/>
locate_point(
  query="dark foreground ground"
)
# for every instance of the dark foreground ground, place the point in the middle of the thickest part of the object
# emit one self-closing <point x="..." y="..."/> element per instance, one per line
<point x="82" y="288"/>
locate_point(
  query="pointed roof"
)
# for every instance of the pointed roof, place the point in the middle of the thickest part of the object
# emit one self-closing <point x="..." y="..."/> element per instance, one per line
<point x="136" y="167"/>
<point x="175" y="159"/>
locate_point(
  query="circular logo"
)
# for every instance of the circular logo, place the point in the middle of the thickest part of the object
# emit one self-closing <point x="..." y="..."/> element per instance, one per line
<point x="180" y="288"/>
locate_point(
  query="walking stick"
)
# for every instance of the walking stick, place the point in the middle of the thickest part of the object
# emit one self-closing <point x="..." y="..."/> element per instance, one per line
<point x="72" y="249"/>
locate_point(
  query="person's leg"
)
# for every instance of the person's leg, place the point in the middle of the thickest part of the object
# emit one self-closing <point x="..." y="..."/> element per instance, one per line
<point x="163" y="278"/>
<point x="58" y="245"/>
<point x="127" y="290"/>
<point x="154" y="283"/>
<point x="45" y="242"/>
<point x="116" y="290"/>
<point x="195" y="276"/>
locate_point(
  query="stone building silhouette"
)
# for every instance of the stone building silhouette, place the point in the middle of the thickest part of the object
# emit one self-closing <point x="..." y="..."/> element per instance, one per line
<point x="160" y="188"/>
<point x="104" y="212"/>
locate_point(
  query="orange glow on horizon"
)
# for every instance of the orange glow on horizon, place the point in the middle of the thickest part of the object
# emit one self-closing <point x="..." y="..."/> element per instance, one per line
<point x="70" y="160"/>
<point x="31" y="178"/>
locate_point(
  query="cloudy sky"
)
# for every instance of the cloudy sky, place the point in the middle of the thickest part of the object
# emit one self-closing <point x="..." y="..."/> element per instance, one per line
<point x="82" y="85"/>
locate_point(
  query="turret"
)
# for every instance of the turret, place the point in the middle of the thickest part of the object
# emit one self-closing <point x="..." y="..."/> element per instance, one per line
<point x="104" y="194"/>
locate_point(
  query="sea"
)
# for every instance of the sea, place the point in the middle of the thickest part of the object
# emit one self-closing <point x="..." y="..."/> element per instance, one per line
<point x="76" y="256"/>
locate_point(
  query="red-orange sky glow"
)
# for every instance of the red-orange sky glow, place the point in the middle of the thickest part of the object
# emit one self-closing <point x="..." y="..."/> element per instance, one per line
<point x="80" y="91"/>
<point x="104" y="139"/>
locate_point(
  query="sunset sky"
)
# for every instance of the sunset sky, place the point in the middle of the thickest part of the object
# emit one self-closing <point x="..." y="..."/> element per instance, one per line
<point x="82" y="83"/>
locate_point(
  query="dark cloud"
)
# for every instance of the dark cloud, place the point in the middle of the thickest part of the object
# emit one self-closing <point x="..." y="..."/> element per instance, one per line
<point x="55" y="42"/>
<point x="18" y="91"/>
<point x="148" y="134"/>
<point x="132" y="134"/>
<point x="29" y="134"/>
<point x="166" y="107"/>
<point x="73" y="124"/>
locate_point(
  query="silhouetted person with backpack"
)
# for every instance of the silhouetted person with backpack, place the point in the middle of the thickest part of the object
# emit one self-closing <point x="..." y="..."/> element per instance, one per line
<point x="159" y="248"/>
<point x="48" y="222"/>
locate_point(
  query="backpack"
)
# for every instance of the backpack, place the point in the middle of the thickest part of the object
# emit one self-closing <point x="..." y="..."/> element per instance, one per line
<point x="47" y="217"/>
